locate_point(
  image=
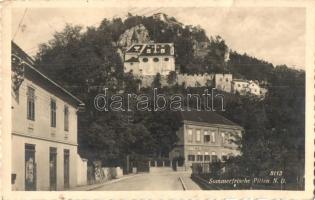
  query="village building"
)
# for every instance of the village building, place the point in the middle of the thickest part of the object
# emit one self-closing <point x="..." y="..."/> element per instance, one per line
<point x="44" y="129"/>
<point x="246" y="87"/>
<point x="149" y="59"/>
<point x="206" y="136"/>
<point x="240" y="86"/>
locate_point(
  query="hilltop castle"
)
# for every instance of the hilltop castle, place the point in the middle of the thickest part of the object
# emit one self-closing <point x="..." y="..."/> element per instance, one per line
<point x="148" y="59"/>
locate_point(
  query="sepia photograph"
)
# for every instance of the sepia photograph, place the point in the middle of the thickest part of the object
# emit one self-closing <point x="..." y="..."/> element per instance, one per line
<point x="160" y="98"/>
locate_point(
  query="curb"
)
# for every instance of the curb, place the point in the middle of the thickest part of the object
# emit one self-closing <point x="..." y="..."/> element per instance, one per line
<point x="183" y="184"/>
<point x="111" y="181"/>
<point x="205" y="183"/>
<point x="93" y="187"/>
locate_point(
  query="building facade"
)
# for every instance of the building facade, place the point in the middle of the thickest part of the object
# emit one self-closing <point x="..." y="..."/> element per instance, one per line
<point x="206" y="137"/>
<point x="223" y="82"/>
<point x="245" y="87"/>
<point x="150" y="59"/>
<point x="44" y="129"/>
<point x="240" y="86"/>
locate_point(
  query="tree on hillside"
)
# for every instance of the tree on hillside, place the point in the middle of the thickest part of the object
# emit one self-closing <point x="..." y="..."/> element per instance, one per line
<point x="156" y="83"/>
<point x="215" y="59"/>
<point x="171" y="78"/>
<point x="247" y="67"/>
<point x="274" y="128"/>
<point x="163" y="126"/>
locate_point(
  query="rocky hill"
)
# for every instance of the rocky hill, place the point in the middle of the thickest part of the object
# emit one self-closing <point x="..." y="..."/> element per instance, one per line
<point x="136" y="34"/>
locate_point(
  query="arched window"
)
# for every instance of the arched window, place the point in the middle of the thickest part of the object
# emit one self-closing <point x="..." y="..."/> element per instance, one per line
<point x="145" y="59"/>
<point x="155" y="59"/>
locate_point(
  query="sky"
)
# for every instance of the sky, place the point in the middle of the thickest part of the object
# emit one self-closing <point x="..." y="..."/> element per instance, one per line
<point x="275" y="34"/>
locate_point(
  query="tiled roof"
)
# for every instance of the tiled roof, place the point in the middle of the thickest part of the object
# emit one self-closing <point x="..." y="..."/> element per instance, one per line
<point x="135" y="48"/>
<point x="210" y="117"/>
<point x="152" y="49"/>
<point x="157" y="49"/>
<point x="132" y="59"/>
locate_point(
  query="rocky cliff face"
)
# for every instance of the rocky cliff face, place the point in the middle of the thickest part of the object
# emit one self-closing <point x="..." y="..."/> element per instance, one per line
<point x="136" y="34"/>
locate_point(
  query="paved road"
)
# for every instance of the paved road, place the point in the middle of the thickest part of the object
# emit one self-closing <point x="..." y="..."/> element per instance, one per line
<point x="159" y="180"/>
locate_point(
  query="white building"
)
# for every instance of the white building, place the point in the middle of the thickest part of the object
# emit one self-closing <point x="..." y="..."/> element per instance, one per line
<point x="254" y="88"/>
<point x="245" y="87"/>
<point x="44" y="129"/>
<point x="150" y="59"/>
<point x="205" y="137"/>
<point x="240" y="86"/>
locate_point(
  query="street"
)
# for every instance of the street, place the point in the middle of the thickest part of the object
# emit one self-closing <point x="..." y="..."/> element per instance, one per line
<point x="156" y="180"/>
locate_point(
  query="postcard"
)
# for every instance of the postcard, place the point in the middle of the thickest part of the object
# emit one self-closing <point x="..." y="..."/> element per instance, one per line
<point x="157" y="99"/>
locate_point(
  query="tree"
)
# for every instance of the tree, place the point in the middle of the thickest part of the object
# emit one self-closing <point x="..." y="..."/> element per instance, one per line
<point x="274" y="128"/>
<point x="163" y="127"/>
<point x="171" y="78"/>
<point x="215" y="59"/>
<point x="156" y="83"/>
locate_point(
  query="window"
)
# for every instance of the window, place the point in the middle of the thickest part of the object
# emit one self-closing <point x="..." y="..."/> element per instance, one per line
<point x="166" y="59"/>
<point x="66" y="168"/>
<point x="190" y="135"/>
<point x="148" y="50"/>
<point x="155" y="59"/>
<point x="53" y="168"/>
<point x="227" y="138"/>
<point x="191" y="157"/>
<point x="145" y="59"/>
<point x="206" y="138"/>
<point x="199" y="158"/>
<point x="30" y="103"/>
<point x="227" y="80"/>
<point x="214" y="157"/>
<point x="224" y="157"/>
<point x="66" y="118"/>
<point x="198" y="136"/>
<point x="213" y="137"/>
<point x="207" y="157"/>
<point x="223" y="137"/>
<point x="53" y="108"/>
<point x="162" y="50"/>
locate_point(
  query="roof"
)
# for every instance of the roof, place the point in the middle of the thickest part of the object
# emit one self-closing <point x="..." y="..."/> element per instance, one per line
<point x="240" y="80"/>
<point x="152" y="49"/>
<point x="135" y="48"/>
<point x="209" y="117"/>
<point x="25" y="57"/>
<point x="39" y="78"/>
<point x="132" y="59"/>
<point x="157" y="49"/>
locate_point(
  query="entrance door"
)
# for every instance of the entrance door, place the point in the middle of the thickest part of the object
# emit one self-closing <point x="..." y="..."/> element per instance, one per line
<point x="66" y="165"/>
<point x="30" y="167"/>
<point x="53" y="168"/>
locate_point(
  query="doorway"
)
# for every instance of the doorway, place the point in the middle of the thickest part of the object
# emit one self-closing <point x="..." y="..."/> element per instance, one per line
<point x="53" y="168"/>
